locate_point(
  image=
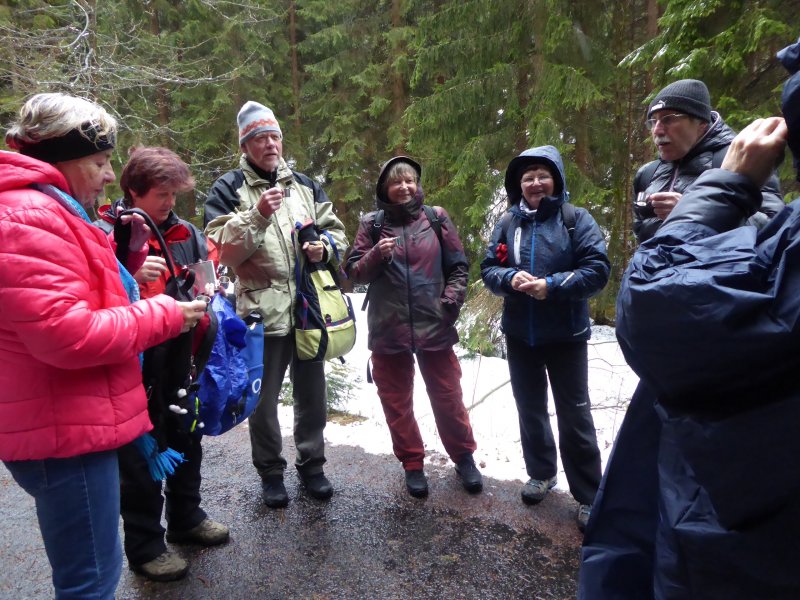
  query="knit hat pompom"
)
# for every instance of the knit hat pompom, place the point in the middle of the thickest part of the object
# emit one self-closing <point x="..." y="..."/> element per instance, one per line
<point x="688" y="96"/>
<point x="255" y="118"/>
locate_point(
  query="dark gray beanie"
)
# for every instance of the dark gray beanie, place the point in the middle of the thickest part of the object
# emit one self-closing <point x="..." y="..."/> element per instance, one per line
<point x="688" y="96"/>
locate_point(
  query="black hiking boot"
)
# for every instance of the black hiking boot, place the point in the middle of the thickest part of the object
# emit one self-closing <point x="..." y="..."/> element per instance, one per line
<point x="416" y="483"/>
<point x="317" y="485"/>
<point x="471" y="478"/>
<point x="274" y="492"/>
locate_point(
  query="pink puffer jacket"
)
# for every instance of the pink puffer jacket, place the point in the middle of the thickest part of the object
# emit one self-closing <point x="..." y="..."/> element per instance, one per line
<point x="69" y="339"/>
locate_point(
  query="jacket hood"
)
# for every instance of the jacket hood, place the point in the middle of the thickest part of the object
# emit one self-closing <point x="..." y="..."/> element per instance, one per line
<point x="385" y="171"/>
<point x="546" y="155"/>
<point x="19" y="171"/>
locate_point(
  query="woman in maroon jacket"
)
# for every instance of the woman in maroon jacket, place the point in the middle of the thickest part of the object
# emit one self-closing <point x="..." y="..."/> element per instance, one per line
<point x="417" y="273"/>
<point x="70" y="337"/>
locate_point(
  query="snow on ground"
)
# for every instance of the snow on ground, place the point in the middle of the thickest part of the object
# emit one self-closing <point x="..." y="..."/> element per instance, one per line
<point x="487" y="394"/>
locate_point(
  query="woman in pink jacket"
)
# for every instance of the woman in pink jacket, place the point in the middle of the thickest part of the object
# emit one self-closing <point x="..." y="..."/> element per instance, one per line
<point x="70" y="336"/>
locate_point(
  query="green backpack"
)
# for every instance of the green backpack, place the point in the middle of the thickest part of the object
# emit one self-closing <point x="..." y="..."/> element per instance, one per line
<point x="325" y="325"/>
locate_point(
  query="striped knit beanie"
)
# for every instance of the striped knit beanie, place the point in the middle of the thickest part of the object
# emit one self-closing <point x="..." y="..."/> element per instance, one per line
<point x="255" y="118"/>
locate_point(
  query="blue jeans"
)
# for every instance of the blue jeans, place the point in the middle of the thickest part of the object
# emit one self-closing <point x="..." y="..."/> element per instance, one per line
<point x="77" y="503"/>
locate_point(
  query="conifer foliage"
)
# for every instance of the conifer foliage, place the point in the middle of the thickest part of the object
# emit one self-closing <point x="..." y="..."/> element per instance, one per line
<point x="462" y="85"/>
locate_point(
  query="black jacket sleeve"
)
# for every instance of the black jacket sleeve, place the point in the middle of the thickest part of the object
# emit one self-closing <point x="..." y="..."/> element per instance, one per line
<point x="222" y="198"/>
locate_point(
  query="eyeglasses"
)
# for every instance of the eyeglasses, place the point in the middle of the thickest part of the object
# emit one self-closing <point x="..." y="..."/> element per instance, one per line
<point x="262" y="138"/>
<point x="539" y="178"/>
<point x="666" y="120"/>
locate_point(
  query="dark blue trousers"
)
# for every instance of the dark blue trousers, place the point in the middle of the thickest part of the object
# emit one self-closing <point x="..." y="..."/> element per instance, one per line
<point x="77" y="504"/>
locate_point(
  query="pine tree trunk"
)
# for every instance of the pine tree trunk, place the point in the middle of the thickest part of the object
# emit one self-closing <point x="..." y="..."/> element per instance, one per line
<point x="294" y="62"/>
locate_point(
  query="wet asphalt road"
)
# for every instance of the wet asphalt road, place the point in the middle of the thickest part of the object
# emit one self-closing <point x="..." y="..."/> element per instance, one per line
<point x="371" y="541"/>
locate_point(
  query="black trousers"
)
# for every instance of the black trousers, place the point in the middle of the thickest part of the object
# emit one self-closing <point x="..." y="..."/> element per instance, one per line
<point x="566" y="365"/>
<point x="141" y="499"/>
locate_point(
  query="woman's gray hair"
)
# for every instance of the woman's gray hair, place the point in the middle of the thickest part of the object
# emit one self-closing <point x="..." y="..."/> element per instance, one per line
<point x="399" y="170"/>
<point x="53" y="115"/>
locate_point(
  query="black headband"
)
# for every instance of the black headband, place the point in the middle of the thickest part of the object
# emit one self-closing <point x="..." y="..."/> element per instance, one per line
<point x="75" y="144"/>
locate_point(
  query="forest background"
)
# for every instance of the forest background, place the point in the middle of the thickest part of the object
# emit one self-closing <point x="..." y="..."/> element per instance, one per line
<point x="461" y="85"/>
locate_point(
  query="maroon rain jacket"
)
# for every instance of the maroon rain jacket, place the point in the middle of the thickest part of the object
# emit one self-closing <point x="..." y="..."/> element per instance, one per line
<point x="414" y="298"/>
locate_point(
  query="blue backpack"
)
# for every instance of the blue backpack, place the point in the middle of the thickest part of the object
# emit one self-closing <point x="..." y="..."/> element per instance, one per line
<point x="229" y="385"/>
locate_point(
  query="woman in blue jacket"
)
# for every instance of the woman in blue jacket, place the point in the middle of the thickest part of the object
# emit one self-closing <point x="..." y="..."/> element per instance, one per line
<point x="546" y="258"/>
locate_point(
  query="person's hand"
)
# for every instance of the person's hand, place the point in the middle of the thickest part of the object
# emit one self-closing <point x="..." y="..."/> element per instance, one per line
<point x="152" y="269"/>
<point x="386" y="246"/>
<point x="192" y="313"/>
<point x="521" y="278"/>
<point x="535" y="287"/>
<point x="663" y="203"/>
<point x="269" y="201"/>
<point x="314" y="251"/>
<point x="140" y="232"/>
<point x="756" y="150"/>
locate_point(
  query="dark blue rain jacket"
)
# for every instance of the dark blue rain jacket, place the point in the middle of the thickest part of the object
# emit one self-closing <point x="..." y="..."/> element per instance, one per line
<point x="576" y="267"/>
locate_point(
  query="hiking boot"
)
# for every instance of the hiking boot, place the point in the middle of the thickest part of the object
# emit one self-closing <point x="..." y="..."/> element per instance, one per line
<point x="207" y="533"/>
<point x="471" y="478"/>
<point x="535" y="490"/>
<point x="274" y="492"/>
<point x="317" y="486"/>
<point x="584" y="510"/>
<point x="416" y="483"/>
<point x="167" y="566"/>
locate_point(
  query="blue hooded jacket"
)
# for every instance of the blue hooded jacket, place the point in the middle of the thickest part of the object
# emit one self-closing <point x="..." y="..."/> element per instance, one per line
<point x="575" y="266"/>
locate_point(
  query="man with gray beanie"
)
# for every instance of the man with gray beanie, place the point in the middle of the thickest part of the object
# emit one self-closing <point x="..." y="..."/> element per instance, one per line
<point x="707" y="317"/>
<point x="690" y="139"/>
<point x="251" y="214"/>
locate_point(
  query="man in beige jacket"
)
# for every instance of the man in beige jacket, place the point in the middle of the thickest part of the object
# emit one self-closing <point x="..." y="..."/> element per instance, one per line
<point x="250" y="214"/>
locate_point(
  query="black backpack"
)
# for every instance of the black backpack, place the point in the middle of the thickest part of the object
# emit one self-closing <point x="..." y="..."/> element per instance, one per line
<point x="170" y="369"/>
<point x="380" y="216"/>
<point x="568" y="215"/>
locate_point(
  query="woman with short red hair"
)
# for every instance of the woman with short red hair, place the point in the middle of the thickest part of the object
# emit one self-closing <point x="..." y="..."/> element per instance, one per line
<point x="151" y="181"/>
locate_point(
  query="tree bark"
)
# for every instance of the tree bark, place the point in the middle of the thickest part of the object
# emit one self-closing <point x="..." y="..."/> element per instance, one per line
<point x="294" y="61"/>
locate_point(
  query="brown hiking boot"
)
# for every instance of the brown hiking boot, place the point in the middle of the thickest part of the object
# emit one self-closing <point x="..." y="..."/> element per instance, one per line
<point x="167" y="566"/>
<point x="207" y="533"/>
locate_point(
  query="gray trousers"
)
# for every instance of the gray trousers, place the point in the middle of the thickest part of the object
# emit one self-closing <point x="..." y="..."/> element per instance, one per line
<point x="310" y="411"/>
